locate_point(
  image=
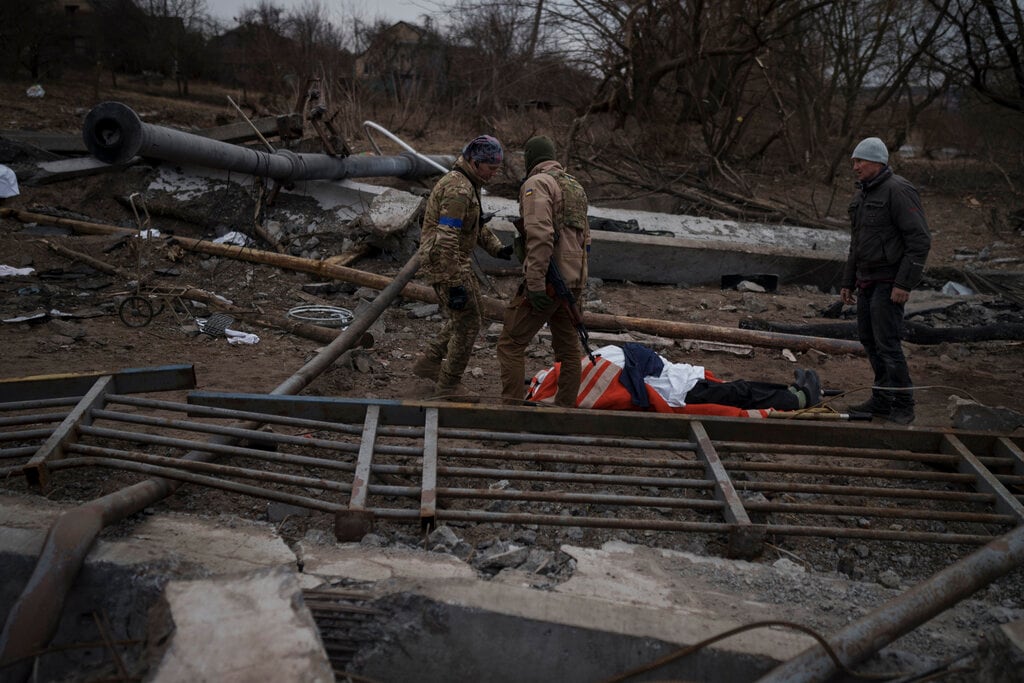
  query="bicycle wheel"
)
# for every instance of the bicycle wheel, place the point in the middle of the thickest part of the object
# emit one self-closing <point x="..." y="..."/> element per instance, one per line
<point x="135" y="311"/>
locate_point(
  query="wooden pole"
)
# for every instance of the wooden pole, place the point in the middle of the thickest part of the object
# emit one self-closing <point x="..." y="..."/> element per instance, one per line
<point x="491" y="308"/>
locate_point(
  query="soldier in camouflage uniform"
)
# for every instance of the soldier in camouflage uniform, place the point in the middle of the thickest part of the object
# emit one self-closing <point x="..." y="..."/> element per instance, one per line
<point x="452" y="228"/>
<point x="553" y="207"/>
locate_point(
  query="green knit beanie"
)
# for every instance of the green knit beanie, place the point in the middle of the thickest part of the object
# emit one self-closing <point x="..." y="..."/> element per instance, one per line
<point x="538" y="149"/>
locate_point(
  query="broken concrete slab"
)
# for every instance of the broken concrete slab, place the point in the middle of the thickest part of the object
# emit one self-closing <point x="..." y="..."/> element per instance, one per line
<point x="247" y="627"/>
<point x="699" y="251"/>
<point x="123" y="577"/>
<point x="966" y="414"/>
<point x="391" y="213"/>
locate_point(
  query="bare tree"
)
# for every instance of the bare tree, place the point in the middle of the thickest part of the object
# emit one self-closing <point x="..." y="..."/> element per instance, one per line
<point x="988" y="55"/>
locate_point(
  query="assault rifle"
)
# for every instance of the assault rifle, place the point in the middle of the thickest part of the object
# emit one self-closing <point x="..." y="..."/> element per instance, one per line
<point x="563" y="294"/>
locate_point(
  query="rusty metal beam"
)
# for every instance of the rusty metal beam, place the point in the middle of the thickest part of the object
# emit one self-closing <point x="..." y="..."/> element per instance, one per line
<point x="1008" y="449"/>
<point x="986" y="481"/>
<point x="66" y="433"/>
<point x="361" y="478"/>
<point x="745" y="538"/>
<point x="128" y="381"/>
<point x="874" y="631"/>
<point x="428" y="481"/>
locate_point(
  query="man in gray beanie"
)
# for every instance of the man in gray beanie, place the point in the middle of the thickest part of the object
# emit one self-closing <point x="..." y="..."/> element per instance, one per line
<point x="889" y="243"/>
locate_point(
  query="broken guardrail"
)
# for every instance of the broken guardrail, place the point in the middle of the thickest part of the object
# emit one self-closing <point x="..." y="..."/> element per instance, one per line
<point x="114" y="134"/>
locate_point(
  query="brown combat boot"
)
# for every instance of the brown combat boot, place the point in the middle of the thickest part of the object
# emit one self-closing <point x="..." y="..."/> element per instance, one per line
<point x="455" y="393"/>
<point x="427" y="367"/>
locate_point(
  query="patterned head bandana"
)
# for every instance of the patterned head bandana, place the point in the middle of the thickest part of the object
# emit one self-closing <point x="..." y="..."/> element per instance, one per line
<point x="483" y="150"/>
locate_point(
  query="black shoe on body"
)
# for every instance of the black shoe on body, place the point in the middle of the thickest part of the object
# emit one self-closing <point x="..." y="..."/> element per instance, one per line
<point x="808" y="382"/>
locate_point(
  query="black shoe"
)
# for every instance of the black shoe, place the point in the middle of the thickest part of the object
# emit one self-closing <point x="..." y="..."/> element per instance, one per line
<point x="873" y="406"/>
<point x="901" y="415"/>
<point x="808" y="382"/>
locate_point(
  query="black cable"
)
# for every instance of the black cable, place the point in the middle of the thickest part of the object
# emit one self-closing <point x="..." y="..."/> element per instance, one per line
<point x="690" y="649"/>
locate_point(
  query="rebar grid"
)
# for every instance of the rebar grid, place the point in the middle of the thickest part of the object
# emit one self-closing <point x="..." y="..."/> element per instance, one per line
<point x="415" y="470"/>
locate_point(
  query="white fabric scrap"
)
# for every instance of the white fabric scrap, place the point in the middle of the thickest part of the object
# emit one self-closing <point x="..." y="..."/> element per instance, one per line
<point x="8" y="183"/>
<point x="149" y="233"/>
<point x="236" y="337"/>
<point x="234" y="237"/>
<point x="675" y="380"/>
<point x="8" y="271"/>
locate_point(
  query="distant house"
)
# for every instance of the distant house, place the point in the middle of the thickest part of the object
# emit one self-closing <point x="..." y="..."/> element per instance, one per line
<point x="402" y="59"/>
<point x="249" y="54"/>
<point x="79" y="35"/>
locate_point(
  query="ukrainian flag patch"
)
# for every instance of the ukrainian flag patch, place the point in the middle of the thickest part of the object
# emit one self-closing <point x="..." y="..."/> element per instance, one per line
<point x="528" y="193"/>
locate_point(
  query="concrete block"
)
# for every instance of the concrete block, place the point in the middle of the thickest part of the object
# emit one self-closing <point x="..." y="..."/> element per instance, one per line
<point x="249" y="627"/>
<point x="975" y="416"/>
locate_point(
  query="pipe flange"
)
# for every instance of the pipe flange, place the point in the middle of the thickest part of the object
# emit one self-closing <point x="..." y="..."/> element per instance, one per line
<point x="112" y="132"/>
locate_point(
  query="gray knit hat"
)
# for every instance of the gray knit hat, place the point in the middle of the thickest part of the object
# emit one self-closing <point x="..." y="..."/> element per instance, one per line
<point x="871" y="149"/>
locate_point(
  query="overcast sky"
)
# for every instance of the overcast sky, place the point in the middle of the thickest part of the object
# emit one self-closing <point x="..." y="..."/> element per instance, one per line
<point x="338" y="10"/>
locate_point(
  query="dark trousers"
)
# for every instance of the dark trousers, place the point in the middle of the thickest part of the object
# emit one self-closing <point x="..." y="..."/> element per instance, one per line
<point x="879" y="322"/>
<point x="744" y="394"/>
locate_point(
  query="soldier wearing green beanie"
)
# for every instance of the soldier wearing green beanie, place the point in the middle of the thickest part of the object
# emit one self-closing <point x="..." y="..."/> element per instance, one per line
<point x="553" y="211"/>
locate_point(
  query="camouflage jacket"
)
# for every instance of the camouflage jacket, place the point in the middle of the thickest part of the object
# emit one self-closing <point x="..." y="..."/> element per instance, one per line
<point x="451" y="228"/>
<point x="553" y="203"/>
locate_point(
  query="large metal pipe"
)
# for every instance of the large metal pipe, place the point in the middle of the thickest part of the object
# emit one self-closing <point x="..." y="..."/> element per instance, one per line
<point x="35" y="616"/>
<point x="871" y="633"/>
<point x="114" y="133"/>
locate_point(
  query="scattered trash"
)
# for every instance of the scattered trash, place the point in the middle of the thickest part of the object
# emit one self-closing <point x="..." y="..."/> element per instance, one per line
<point x="215" y="325"/>
<point x="35" y="91"/>
<point x="788" y="355"/>
<point x="325" y="316"/>
<point x="957" y="289"/>
<point x="239" y="239"/>
<point x="8" y="183"/>
<point x="36" y="316"/>
<point x="236" y="337"/>
<point x="748" y="286"/>
<point x="149" y="233"/>
<point x="8" y="271"/>
<point x="768" y="281"/>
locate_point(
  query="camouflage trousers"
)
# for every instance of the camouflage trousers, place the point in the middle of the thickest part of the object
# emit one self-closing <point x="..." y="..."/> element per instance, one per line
<point x="453" y="344"/>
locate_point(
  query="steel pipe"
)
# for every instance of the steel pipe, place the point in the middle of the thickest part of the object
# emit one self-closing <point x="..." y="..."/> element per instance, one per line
<point x="927" y="599"/>
<point x="115" y="134"/>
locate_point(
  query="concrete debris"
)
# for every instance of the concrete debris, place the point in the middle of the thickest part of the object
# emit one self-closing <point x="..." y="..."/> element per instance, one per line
<point x="748" y="286"/>
<point x="252" y="627"/>
<point x="967" y="414"/>
<point x="1001" y="659"/>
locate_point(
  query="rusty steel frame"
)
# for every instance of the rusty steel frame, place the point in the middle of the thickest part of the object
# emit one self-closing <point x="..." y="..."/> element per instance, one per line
<point x="985" y="467"/>
<point x="36" y="614"/>
<point x="422" y="424"/>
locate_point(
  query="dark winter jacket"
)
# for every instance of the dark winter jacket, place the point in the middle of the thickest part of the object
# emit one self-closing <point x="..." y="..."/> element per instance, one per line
<point x="889" y="239"/>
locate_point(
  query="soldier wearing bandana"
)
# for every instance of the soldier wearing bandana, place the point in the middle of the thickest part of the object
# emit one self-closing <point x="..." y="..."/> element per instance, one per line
<point x="452" y="228"/>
